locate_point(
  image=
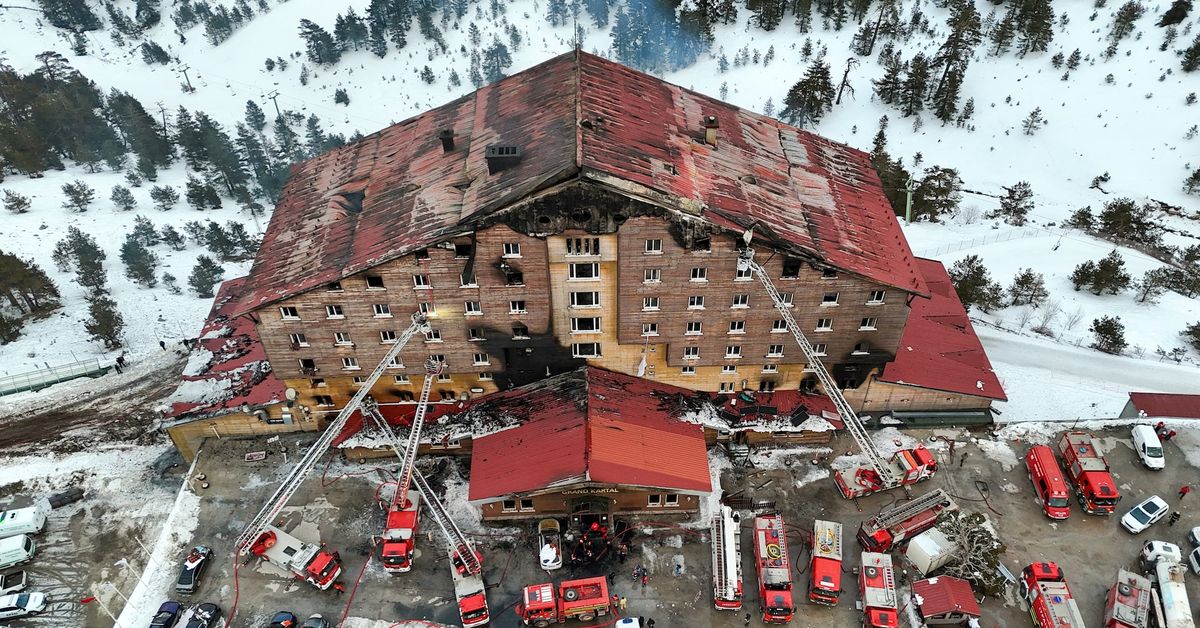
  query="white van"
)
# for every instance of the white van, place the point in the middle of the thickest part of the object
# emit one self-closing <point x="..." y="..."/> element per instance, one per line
<point x="1148" y="447"/>
<point x="29" y="520"/>
<point x="16" y="550"/>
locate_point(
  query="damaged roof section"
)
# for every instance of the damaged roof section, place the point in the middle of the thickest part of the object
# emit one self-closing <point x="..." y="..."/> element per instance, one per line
<point x="577" y="116"/>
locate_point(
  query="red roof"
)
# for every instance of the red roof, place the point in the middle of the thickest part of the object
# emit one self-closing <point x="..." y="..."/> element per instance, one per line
<point x="939" y="348"/>
<point x="578" y="116"/>
<point x="945" y="594"/>
<point x="592" y="425"/>
<point x="1167" y="405"/>
<point x="237" y="372"/>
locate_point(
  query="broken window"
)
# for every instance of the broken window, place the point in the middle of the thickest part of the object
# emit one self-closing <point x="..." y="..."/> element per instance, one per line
<point x="791" y="269"/>
<point x="463" y="250"/>
<point x="374" y="282"/>
<point x="583" y="246"/>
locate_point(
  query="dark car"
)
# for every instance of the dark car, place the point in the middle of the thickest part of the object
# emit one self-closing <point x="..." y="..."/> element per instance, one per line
<point x="283" y="619"/>
<point x="206" y="615"/>
<point x="316" y="621"/>
<point x="167" y="615"/>
<point x="193" y="568"/>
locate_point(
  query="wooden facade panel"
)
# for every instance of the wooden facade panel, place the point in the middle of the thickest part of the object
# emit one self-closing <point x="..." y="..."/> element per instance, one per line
<point x="882" y="396"/>
<point x="619" y="500"/>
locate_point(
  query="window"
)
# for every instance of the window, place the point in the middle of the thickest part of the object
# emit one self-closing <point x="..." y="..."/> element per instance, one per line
<point x="467" y="280"/>
<point x="485" y="377"/>
<point x="695" y="303"/>
<point x="861" y="348"/>
<point x="512" y="249"/>
<point x="526" y="504"/>
<point x="848" y="383"/>
<point x="744" y="274"/>
<point x="786" y="298"/>
<point x="740" y="301"/>
<point x="444" y="377"/>
<point x="375" y="282"/>
<point x="778" y="326"/>
<point x="342" y="338"/>
<point x="876" y="297"/>
<point x="766" y="385"/>
<point x="387" y="337"/>
<point x="474" y="333"/>
<point x="471" y="308"/>
<point x="733" y="351"/>
<point x="828" y="273"/>
<point x="583" y="246"/>
<point x="649" y="329"/>
<point x="791" y="269"/>
<point x="726" y="387"/>
<point x="737" y="327"/>
<point x="358" y="380"/>
<point x="334" y="311"/>
<point x="585" y="350"/>
<point x="350" y="364"/>
<point x="433" y="335"/>
<point x="694" y="328"/>
<point x="334" y="286"/>
<point x="652" y="275"/>
<point x="421" y="282"/>
<point x="446" y="395"/>
<point x="508" y="505"/>
<point x="308" y="364"/>
<point x="403" y="380"/>
<point x="584" y="271"/>
<point x="396" y="363"/>
<point x="318" y="382"/>
<point x="775" y="351"/>
<point x="770" y="368"/>
<point x="514" y="278"/>
<point x="298" y="340"/>
<point x="422" y="254"/>
<point x="824" y="324"/>
<point x="649" y="304"/>
<point x="590" y="325"/>
<point x="830" y="298"/>
<point x="654" y="500"/>
<point x="463" y="250"/>
<point x="654" y="247"/>
<point x="481" y="358"/>
<point x="691" y="353"/>
<point x="516" y="307"/>
<point x="406" y="395"/>
<point x="428" y="309"/>
<point x="699" y="274"/>
<point x="289" y="313"/>
<point x="819" y="348"/>
<point x="671" y="499"/>
<point x="520" y="332"/>
<point x="729" y="369"/>
<point x="585" y="299"/>
<point x="325" y="401"/>
<point x="687" y="370"/>
<point x="437" y="357"/>
<point x="701" y="244"/>
<point x="382" y="310"/>
<point x="868" y="323"/>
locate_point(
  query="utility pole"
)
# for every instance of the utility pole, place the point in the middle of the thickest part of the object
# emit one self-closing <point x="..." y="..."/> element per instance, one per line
<point x="908" y="188"/>
<point x="273" y="95"/>
<point x="163" y="110"/>
<point x="184" y="69"/>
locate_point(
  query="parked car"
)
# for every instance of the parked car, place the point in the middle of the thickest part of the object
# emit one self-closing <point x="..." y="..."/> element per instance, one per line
<point x="16" y="550"/>
<point x="283" y="619"/>
<point x="167" y="615"/>
<point x="193" y="569"/>
<point x="1148" y="447"/>
<point x="316" y="621"/>
<point x="12" y="582"/>
<point x="1194" y="560"/>
<point x="1145" y="514"/>
<point x="22" y="605"/>
<point x="629" y="622"/>
<point x="549" y="544"/>
<point x="27" y="520"/>
<point x="206" y="615"/>
<point x="1194" y="536"/>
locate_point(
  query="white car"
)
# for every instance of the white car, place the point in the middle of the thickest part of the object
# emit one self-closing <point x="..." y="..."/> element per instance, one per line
<point x="1145" y="514"/>
<point x="1194" y="536"/>
<point x="1194" y="559"/>
<point x="22" y="605"/>
<point x="1148" y="447"/>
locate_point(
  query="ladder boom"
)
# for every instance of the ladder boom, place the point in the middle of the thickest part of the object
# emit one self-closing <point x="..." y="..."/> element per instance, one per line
<point x="432" y="369"/>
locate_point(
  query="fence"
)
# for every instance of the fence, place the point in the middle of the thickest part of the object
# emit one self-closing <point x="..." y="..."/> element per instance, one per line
<point x="41" y="378"/>
<point x="1013" y="234"/>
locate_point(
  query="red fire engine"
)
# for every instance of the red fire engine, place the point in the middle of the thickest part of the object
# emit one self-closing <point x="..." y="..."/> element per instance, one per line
<point x="1050" y="602"/>
<point x="1128" y="602"/>
<point x="584" y="600"/>
<point x="727" y="559"/>
<point x="306" y="561"/>
<point x="877" y="584"/>
<point x="1088" y="472"/>
<point x="904" y="521"/>
<point x="396" y="548"/>
<point x="774" y="569"/>
<point x="826" y="565"/>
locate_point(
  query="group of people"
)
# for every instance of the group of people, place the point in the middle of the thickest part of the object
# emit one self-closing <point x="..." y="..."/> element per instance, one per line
<point x="1164" y="434"/>
<point x="593" y="544"/>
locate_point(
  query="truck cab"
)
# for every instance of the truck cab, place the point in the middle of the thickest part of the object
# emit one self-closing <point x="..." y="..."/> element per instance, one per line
<point x="397" y="549"/>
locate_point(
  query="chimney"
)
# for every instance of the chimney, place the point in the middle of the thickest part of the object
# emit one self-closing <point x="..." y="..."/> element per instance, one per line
<point x="501" y="156"/>
<point x="710" y="130"/>
<point x="447" y="137"/>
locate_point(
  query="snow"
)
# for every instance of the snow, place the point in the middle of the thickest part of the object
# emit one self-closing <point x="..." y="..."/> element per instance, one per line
<point x="718" y="462"/>
<point x="198" y="362"/>
<point x="998" y="451"/>
<point x="198" y="391"/>
<point x="80" y="389"/>
<point x="815" y="424"/>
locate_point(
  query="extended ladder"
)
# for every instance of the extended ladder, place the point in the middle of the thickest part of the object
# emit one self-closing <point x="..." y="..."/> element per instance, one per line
<point x="433" y="368"/>
<point x="906" y="510"/>
<point x="296" y="476"/>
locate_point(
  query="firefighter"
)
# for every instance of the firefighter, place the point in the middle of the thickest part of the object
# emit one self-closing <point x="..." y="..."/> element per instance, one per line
<point x="1174" y="518"/>
<point x="622" y="552"/>
<point x="1184" y="490"/>
<point x="339" y="587"/>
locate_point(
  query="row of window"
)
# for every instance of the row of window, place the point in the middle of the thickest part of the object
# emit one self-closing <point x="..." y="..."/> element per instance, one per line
<point x="388" y="336"/>
<point x="653" y="500"/>
<point x="384" y="310"/>
<point x="350" y="363"/>
<point x="696" y="328"/>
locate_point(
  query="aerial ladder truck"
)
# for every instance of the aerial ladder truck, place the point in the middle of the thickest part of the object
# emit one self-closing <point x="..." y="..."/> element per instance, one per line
<point x="261" y="538"/>
<point x="907" y="466"/>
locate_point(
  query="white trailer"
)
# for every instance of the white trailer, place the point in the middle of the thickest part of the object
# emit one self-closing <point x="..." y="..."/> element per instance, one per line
<point x="930" y="551"/>
<point x="1171" y="594"/>
<point x="28" y="520"/>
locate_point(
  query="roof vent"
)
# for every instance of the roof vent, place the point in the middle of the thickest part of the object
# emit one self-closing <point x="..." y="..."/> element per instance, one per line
<point x="710" y="130"/>
<point x="447" y="137"/>
<point x="501" y="156"/>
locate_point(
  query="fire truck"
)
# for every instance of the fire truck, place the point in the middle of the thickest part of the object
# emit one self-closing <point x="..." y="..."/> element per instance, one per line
<point x="904" y="521"/>
<point x="774" y="569"/>
<point x="1088" y="471"/>
<point x="727" y="559"/>
<point x="905" y="467"/>
<point x="1050" y="602"/>
<point x="306" y="561"/>
<point x="826" y="567"/>
<point x="877" y="585"/>
<point x="585" y="600"/>
<point x="1128" y="603"/>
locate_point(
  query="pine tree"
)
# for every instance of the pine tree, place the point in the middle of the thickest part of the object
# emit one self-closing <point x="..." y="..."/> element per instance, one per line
<point x="164" y="196"/>
<point x="16" y="203"/>
<point x="1028" y="288"/>
<point x="172" y="238"/>
<point x="246" y="244"/>
<point x="427" y="75"/>
<point x="67" y="14"/>
<point x="340" y="97"/>
<point x="146" y="13"/>
<point x="105" y="323"/>
<point x="557" y="12"/>
<point x="133" y="179"/>
<point x="201" y="195"/>
<point x="141" y="263"/>
<point x="1152" y="285"/>
<point x="152" y="54"/>
<point x="350" y="31"/>
<point x="1083" y="275"/>
<point x="122" y="198"/>
<point x="1016" y="204"/>
<point x="811" y="97"/>
<point x="205" y="276"/>
<point x="964" y="116"/>
<point x="1191" y="333"/>
<point x="1005" y="31"/>
<point x="938" y="194"/>
<point x="955" y="53"/>
<point x="495" y="60"/>
<point x="10" y="329"/>
<point x="1191" y="56"/>
<point x="1191" y="184"/>
<point x="1124" y="219"/>
<point x="891" y="84"/>
<point x="974" y="284"/>
<point x="945" y="100"/>
<point x="319" y="45"/>
<point x="81" y="250"/>
<point x="144" y="231"/>
<point x="767" y="13"/>
<point x="1177" y="12"/>
<point x="78" y="196"/>
<point x="1109" y="334"/>
<point x="1110" y="274"/>
<point x="916" y="84"/>
<point x="255" y="118"/>
<point x="218" y="242"/>
<point x="171" y="283"/>
<point x="26" y="287"/>
<point x="1036" y="24"/>
<point x="1074" y="59"/>
<point x="1033" y="122"/>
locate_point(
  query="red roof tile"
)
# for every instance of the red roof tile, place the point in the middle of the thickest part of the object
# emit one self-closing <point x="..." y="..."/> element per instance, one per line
<point x="592" y="425"/>
<point x="1167" y="405"/>
<point x="578" y="115"/>
<point x="939" y="348"/>
<point x="945" y="594"/>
